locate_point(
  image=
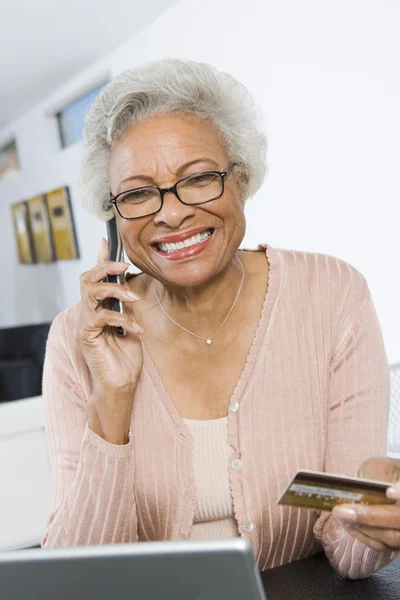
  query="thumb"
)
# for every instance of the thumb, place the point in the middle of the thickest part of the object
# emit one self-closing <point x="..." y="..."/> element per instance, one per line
<point x="380" y="469"/>
<point x="103" y="251"/>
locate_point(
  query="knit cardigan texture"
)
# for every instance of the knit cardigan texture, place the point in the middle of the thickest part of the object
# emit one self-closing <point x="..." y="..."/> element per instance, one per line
<point x="313" y="394"/>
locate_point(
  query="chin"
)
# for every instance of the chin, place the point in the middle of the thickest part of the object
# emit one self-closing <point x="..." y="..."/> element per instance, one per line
<point x="189" y="277"/>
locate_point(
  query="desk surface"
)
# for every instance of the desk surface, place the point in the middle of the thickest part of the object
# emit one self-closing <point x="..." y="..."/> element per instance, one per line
<point x="314" y="579"/>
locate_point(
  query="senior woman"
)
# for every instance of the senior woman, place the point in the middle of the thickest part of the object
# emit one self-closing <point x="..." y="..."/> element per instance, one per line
<point x="237" y="368"/>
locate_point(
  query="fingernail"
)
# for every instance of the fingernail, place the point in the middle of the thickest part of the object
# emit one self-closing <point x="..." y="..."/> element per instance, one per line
<point x="393" y="492"/>
<point x="132" y="295"/>
<point x="347" y="514"/>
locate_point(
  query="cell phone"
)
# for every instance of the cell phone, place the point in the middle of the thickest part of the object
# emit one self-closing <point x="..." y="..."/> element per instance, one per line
<point x="116" y="254"/>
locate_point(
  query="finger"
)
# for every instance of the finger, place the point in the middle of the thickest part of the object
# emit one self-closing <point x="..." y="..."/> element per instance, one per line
<point x="100" y="272"/>
<point x="116" y="319"/>
<point x="380" y="469"/>
<point x="390" y="538"/>
<point x="361" y="537"/>
<point x="377" y="515"/>
<point x="97" y="292"/>
<point x="94" y="326"/>
<point x="103" y="250"/>
<point x="394" y="491"/>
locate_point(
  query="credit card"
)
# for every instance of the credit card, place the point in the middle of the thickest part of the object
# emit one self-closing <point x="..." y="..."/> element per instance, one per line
<point x="323" y="491"/>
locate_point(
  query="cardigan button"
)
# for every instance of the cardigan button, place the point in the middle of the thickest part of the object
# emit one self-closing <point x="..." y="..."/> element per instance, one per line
<point x="247" y="527"/>
<point x="237" y="464"/>
<point x="234" y="407"/>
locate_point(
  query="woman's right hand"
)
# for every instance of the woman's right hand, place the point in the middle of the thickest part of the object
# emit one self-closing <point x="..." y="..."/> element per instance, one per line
<point x="114" y="362"/>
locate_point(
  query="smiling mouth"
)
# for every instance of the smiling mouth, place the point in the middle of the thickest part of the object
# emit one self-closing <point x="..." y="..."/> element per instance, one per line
<point x="171" y="247"/>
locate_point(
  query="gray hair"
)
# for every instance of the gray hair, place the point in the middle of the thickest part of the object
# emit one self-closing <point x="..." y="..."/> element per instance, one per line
<point x="165" y="87"/>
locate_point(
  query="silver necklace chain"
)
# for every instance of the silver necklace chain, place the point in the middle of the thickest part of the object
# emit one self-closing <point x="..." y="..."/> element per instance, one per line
<point x="209" y="339"/>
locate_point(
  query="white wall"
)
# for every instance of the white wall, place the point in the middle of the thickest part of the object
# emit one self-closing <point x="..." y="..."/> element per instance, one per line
<point x="326" y="77"/>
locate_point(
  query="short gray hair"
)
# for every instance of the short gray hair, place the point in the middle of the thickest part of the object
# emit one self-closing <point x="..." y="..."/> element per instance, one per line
<point x="166" y="87"/>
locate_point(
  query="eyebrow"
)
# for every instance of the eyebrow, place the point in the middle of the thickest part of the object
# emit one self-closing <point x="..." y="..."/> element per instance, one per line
<point x="179" y="171"/>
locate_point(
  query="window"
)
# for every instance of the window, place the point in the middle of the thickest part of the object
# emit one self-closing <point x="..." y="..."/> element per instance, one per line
<point x="70" y="119"/>
<point x="8" y="158"/>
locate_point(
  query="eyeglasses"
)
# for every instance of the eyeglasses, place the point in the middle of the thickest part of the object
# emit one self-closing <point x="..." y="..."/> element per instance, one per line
<point x="195" y="189"/>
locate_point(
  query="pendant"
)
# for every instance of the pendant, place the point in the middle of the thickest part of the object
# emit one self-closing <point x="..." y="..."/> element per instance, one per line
<point x="208" y="341"/>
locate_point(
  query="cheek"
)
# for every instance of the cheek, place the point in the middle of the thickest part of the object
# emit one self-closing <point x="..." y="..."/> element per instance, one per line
<point x="130" y="234"/>
<point x="234" y="226"/>
<point x="235" y="212"/>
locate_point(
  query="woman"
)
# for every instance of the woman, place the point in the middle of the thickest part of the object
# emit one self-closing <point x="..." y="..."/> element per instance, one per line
<point x="237" y="367"/>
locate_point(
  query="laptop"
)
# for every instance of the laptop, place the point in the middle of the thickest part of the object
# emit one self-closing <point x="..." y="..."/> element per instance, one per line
<point x="178" y="570"/>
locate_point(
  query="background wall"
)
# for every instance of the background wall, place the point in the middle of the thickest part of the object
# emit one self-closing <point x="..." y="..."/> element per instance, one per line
<point x="326" y="78"/>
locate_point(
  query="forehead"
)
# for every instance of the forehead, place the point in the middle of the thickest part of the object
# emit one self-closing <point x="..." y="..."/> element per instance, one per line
<point x="165" y="143"/>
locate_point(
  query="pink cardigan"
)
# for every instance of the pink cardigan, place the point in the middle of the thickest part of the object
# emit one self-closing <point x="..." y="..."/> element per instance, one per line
<point x="313" y="394"/>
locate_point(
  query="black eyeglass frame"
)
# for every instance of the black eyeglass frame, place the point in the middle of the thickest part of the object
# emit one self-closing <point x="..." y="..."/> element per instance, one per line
<point x="173" y="189"/>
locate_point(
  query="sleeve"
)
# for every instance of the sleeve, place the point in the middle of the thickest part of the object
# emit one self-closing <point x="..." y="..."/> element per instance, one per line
<point x="93" y="481"/>
<point x="357" y="416"/>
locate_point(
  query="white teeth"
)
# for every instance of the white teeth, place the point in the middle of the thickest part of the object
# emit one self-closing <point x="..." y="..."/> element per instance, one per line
<point x="175" y="246"/>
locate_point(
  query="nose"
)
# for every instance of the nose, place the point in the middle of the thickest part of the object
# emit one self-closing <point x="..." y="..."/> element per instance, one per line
<point x="173" y="212"/>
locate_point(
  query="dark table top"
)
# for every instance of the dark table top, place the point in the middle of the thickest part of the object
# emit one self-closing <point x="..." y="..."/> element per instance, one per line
<point x="314" y="579"/>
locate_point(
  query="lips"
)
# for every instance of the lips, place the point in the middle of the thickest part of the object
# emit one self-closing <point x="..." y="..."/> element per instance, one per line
<point x="186" y="243"/>
<point x="180" y="237"/>
<point x="191" y="244"/>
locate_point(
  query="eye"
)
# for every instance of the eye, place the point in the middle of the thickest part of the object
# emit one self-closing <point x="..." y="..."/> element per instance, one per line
<point x="202" y="180"/>
<point x="138" y="196"/>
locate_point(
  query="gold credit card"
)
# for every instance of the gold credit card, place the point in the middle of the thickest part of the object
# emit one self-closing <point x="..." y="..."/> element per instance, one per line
<point x="323" y="491"/>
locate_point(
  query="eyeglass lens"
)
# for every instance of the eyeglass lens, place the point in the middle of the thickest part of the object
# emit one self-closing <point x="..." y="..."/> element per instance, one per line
<point x="147" y="200"/>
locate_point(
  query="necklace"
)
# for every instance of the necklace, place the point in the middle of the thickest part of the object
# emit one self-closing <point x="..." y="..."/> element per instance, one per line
<point x="209" y="339"/>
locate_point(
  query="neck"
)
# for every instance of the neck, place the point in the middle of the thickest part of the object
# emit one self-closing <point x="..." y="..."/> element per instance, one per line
<point x="201" y="309"/>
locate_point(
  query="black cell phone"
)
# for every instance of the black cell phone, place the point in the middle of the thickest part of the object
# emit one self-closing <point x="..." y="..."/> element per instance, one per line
<point x="116" y="253"/>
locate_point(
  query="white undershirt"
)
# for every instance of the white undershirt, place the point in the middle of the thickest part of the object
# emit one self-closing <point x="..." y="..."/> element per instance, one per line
<point x="211" y="452"/>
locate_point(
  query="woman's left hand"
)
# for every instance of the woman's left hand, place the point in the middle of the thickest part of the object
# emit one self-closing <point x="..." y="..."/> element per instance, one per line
<point x="377" y="526"/>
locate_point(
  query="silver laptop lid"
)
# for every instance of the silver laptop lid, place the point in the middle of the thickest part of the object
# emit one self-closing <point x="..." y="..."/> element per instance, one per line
<point x="202" y="570"/>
